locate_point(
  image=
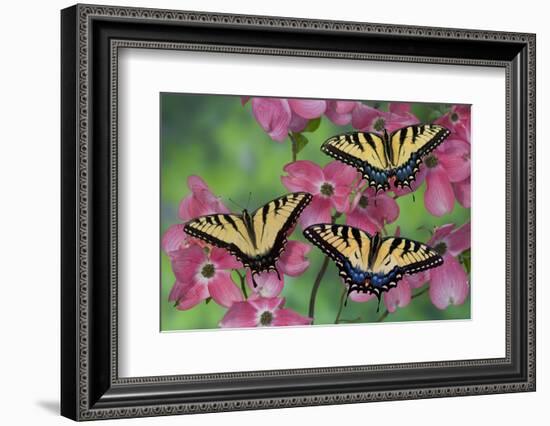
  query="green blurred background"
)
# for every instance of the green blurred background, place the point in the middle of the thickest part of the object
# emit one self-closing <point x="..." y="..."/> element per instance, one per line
<point x="218" y="139"/>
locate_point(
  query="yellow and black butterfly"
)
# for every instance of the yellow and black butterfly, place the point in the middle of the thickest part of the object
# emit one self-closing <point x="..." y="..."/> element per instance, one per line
<point x="381" y="156"/>
<point x="258" y="239"/>
<point x="371" y="264"/>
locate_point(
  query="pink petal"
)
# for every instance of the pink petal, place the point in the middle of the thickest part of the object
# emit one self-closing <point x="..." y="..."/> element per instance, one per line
<point x="293" y="261"/>
<point x="268" y="283"/>
<point x="223" y="260"/>
<point x="417" y="280"/>
<point x="398" y="297"/>
<point x="395" y="121"/>
<point x="339" y="174"/>
<point x="440" y="233"/>
<point x="193" y="296"/>
<point x="179" y="289"/>
<point x="297" y="123"/>
<point x="359" y="218"/>
<point x="456" y="159"/>
<point x="283" y="317"/>
<point x="462" y="192"/>
<point x="273" y="115"/>
<point x="200" y="202"/>
<point x="173" y="239"/>
<point x="384" y="208"/>
<point x="303" y="175"/>
<point x="244" y="100"/>
<point x="459" y="240"/>
<point x="361" y="297"/>
<point x="263" y="304"/>
<point x="345" y="107"/>
<point x="186" y="262"/>
<point x="399" y="108"/>
<point x="223" y="290"/>
<point x="449" y="283"/>
<point x="318" y="211"/>
<point x="240" y="314"/>
<point x="308" y="108"/>
<point x="364" y="117"/>
<point x="439" y="198"/>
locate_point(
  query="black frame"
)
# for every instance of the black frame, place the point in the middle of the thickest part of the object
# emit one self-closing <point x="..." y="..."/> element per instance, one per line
<point x="91" y="37"/>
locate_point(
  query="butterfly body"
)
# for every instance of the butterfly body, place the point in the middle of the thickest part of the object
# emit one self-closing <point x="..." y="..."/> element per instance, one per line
<point x="256" y="239"/>
<point x="371" y="264"/>
<point x="381" y="156"/>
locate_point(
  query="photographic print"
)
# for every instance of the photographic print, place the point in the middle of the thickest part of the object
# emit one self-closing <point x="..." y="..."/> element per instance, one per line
<point x="302" y="212"/>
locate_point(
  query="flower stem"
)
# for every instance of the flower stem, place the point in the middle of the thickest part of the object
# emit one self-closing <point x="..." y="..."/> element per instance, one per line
<point x="319" y="277"/>
<point x="294" y="147"/>
<point x="383" y="316"/>
<point x="342" y="298"/>
<point x="311" y="311"/>
<point x="243" y="284"/>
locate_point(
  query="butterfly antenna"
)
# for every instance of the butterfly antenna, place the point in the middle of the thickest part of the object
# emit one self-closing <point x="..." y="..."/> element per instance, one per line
<point x="414" y="200"/>
<point x="237" y="204"/>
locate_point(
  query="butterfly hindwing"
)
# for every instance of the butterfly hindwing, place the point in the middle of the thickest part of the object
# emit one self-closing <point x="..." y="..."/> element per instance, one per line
<point x="409" y="145"/>
<point x="363" y="150"/>
<point x="256" y="240"/>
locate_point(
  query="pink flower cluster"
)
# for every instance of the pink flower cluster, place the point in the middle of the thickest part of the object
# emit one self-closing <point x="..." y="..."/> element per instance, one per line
<point x="446" y="170"/>
<point x="204" y="272"/>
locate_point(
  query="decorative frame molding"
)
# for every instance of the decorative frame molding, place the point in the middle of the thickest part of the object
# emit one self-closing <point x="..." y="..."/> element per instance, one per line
<point x="91" y="37"/>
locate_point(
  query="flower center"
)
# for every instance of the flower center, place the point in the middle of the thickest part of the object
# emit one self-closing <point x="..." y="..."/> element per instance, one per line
<point x="266" y="318"/>
<point x="379" y="124"/>
<point x="363" y="202"/>
<point x="208" y="270"/>
<point x="431" y="161"/>
<point x="441" y="248"/>
<point x="327" y="189"/>
<point x="454" y="117"/>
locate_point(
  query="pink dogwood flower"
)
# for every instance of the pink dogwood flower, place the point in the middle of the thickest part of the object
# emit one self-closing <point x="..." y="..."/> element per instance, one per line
<point x="371" y="119"/>
<point x="277" y="116"/>
<point x="462" y="192"/>
<point x="293" y="262"/>
<point x="262" y="312"/>
<point x="449" y="282"/>
<point x="330" y="187"/>
<point x="457" y="120"/>
<point x="200" y="275"/>
<point x="200" y="202"/>
<point x="448" y="164"/>
<point x="340" y="112"/>
<point x="370" y="211"/>
<point x="398" y="297"/>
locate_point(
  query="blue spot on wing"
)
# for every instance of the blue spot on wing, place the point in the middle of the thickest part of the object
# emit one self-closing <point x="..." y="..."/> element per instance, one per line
<point x="374" y="174"/>
<point x="378" y="280"/>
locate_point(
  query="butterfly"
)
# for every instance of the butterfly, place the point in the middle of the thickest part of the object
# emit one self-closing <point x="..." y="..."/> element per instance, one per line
<point x="379" y="157"/>
<point x="256" y="239"/>
<point x="371" y="264"/>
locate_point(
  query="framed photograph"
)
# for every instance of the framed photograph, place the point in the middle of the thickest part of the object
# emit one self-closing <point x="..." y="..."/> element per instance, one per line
<point x="263" y="212"/>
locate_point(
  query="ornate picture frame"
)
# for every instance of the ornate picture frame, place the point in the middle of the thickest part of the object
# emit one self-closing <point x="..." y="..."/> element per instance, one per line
<point x="91" y="38"/>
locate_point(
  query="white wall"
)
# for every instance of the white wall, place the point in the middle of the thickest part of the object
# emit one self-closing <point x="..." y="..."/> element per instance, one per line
<point x="29" y="225"/>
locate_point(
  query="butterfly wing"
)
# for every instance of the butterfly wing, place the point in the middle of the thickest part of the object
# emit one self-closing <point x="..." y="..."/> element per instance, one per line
<point x="363" y="150"/>
<point x="350" y="249"/>
<point x="227" y="231"/>
<point x="271" y="224"/>
<point x="398" y="256"/>
<point x="409" y="145"/>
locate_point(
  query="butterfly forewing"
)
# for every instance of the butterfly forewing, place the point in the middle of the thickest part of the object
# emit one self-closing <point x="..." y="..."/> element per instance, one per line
<point x="272" y="221"/>
<point x="226" y="231"/>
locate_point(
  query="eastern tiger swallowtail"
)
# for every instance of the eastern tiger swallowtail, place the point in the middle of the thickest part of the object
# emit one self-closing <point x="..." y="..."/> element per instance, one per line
<point x="379" y="157"/>
<point x="371" y="264"/>
<point x="256" y="239"/>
